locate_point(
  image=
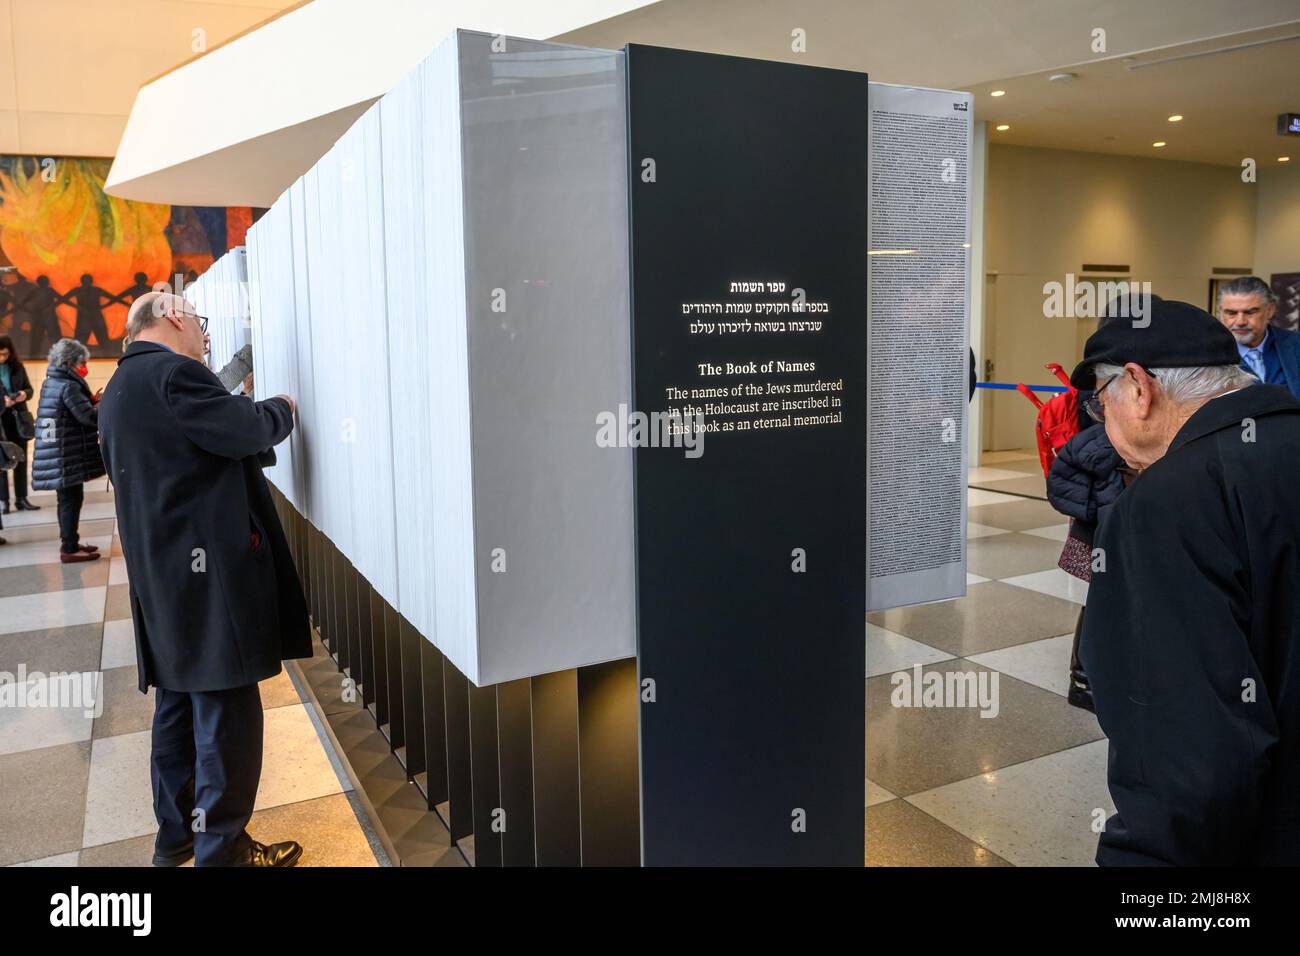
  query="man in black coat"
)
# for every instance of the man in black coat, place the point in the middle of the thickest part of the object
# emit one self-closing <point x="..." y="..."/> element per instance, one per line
<point x="216" y="601"/>
<point x="1191" y="637"/>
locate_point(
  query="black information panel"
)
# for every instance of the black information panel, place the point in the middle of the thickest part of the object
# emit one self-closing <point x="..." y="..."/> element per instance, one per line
<point x="749" y="287"/>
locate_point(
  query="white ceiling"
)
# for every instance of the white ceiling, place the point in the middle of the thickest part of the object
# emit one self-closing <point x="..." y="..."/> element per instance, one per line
<point x="1118" y="103"/>
<point x="240" y="123"/>
<point x="1229" y="92"/>
<point x="69" y="69"/>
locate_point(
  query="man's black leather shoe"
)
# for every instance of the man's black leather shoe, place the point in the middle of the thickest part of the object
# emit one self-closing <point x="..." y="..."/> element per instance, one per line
<point x="1080" y="695"/>
<point x="173" y="857"/>
<point x="22" y="504"/>
<point x="276" y="854"/>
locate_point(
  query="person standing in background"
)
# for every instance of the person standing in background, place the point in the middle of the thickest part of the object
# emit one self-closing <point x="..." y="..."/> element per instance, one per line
<point x="16" y="422"/>
<point x="67" y="444"/>
<point x="1246" y="307"/>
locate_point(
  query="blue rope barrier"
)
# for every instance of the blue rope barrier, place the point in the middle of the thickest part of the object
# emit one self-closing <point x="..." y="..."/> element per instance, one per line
<point x="1035" y="388"/>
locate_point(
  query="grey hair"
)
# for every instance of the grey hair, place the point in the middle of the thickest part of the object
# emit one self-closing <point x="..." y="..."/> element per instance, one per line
<point x="1245" y="285"/>
<point x="1189" y="384"/>
<point x="68" y="353"/>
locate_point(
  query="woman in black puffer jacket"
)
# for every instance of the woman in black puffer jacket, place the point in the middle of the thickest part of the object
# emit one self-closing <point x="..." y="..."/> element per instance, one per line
<point x="67" y="443"/>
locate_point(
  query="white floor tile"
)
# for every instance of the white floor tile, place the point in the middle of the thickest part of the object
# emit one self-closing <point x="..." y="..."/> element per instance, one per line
<point x="117" y="572"/>
<point x="975" y="579"/>
<point x="294" y="763"/>
<point x="119" y="799"/>
<point x="41" y="552"/>
<point x="888" y="652"/>
<point x="1038" y="813"/>
<point x="119" y="644"/>
<point x="974" y="530"/>
<point x="1055" y="582"/>
<point x="119" y="802"/>
<point x="1044" y="663"/>
<point x="978" y="496"/>
<point x="30" y="612"/>
<point x="877" y="794"/>
<point x="89" y="512"/>
<point x="35" y="727"/>
<point x="62" y="859"/>
<point x="1054" y="532"/>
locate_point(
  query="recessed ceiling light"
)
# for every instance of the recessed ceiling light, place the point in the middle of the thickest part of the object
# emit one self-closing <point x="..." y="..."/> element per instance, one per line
<point x="1284" y="159"/>
<point x="1003" y="127"/>
<point x="998" y="93"/>
<point x="1176" y="118"/>
<point x="1158" y="144"/>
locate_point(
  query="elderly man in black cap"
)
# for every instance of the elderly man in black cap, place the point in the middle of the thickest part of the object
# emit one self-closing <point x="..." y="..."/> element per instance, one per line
<point x="1191" y="636"/>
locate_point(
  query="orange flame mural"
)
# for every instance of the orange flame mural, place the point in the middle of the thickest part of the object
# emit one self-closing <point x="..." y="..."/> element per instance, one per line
<point x="57" y="221"/>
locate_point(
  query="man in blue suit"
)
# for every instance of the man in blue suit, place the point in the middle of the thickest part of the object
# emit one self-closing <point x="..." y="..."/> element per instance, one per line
<point x="1245" y="307"/>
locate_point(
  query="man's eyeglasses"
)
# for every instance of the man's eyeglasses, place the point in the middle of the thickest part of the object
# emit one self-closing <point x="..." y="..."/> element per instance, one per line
<point x="1093" y="406"/>
<point x="201" y="319"/>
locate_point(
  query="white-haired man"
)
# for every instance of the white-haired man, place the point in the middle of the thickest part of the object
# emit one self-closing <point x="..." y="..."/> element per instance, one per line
<point x="1191" y="637"/>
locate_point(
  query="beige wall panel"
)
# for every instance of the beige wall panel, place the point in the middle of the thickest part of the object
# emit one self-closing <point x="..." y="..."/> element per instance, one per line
<point x="69" y="134"/>
<point x="1050" y="211"/>
<point x="1277" y="238"/>
<point x="88" y="56"/>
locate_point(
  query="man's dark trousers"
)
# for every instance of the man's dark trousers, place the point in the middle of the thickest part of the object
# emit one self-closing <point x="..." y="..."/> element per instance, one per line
<point x="207" y="755"/>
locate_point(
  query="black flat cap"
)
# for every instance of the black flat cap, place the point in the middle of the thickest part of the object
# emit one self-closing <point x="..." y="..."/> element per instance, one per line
<point x="1155" y="333"/>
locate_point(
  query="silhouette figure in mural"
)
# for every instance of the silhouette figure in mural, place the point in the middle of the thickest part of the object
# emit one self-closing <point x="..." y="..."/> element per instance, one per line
<point x="133" y="292"/>
<point x="90" y="310"/>
<point x="19" y="293"/>
<point x="40" y="306"/>
<point x="34" y="308"/>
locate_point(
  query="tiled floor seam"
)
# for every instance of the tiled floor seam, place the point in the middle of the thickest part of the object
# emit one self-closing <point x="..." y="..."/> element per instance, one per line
<point x="947" y="826"/>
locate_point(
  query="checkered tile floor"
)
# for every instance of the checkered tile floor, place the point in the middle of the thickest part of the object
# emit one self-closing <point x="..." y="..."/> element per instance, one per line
<point x="74" y="788"/>
<point x="946" y="786"/>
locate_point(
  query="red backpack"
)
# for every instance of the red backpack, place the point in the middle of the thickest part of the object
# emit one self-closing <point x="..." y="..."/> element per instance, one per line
<point x="1058" y="417"/>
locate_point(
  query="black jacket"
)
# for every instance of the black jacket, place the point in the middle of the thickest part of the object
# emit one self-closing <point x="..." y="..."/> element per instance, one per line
<point x="1085" y="478"/>
<point x="67" y="442"/>
<point x="216" y="601"/>
<point x="19" y="412"/>
<point x="1198" y="608"/>
<point x="19" y="382"/>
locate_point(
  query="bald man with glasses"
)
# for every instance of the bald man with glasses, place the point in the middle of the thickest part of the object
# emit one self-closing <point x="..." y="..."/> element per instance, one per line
<point x="215" y="599"/>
